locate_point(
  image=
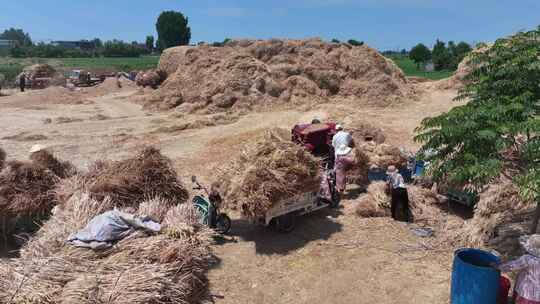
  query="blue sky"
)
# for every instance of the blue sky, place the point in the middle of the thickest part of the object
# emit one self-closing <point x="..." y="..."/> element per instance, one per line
<point x="384" y="24"/>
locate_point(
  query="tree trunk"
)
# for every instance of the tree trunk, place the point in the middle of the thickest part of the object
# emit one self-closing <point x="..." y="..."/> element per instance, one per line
<point x="536" y="217"/>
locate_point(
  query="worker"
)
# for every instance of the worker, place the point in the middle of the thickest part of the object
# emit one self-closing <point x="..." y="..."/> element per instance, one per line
<point x="22" y="82"/>
<point x="399" y="195"/>
<point x="215" y="203"/>
<point x="37" y="148"/>
<point x="527" y="287"/>
<point x="341" y="138"/>
<point x="344" y="160"/>
<point x="315" y="121"/>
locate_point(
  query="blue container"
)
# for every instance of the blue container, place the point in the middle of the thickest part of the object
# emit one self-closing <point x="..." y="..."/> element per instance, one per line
<point x="419" y="168"/>
<point x="473" y="280"/>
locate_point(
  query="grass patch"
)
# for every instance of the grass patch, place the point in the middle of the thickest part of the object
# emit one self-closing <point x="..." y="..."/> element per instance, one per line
<point x="410" y="69"/>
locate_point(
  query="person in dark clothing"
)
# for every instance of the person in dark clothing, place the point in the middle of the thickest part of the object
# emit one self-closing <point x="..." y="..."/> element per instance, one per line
<point x="215" y="202"/>
<point x="22" y="82"/>
<point x="400" y="197"/>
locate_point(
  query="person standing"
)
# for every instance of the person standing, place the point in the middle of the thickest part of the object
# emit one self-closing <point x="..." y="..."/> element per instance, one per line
<point x="344" y="161"/>
<point x="22" y="82"/>
<point x="399" y="195"/>
<point x="527" y="287"/>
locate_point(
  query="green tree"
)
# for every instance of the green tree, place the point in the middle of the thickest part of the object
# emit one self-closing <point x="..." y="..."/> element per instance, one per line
<point x="173" y="30"/>
<point x="501" y="118"/>
<point x="462" y="50"/>
<point x="355" y="42"/>
<point x="97" y="43"/>
<point x="22" y="38"/>
<point x="150" y="42"/>
<point x="420" y="54"/>
<point x="441" y="56"/>
<point x="335" y="40"/>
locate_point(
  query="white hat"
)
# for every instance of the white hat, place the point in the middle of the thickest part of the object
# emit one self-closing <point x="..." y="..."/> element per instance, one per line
<point x="343" y="150"/>
<point x="391" y="170"/>
<point x="37" y="148"/>
<point x="531" y="244"/>
<point x="339" y="127"/>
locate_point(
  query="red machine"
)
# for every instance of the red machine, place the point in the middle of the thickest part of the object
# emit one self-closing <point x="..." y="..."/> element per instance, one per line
<point x="316" y="138"/>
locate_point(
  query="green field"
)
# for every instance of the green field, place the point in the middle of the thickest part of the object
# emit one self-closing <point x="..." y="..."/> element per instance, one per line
<point x="410" y="69"/>
<point x="11" y="67"/>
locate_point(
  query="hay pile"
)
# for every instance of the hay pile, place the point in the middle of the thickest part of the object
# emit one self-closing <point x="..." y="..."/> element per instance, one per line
<point x="383" y="155"/>
<point x="151" y="78"/>
<point x="62" y="169"/>
<point x="39" y="71"/>
<point x="166" y="268"/>
<point x="422" y="203"/>
<point x="250" y="73"/>
<point x="358" y="174"/>
<point x="127" y="182"/>
<point x="271" y="169"/>
<point x="499" y="217"/>
<point x="26" y="189"/>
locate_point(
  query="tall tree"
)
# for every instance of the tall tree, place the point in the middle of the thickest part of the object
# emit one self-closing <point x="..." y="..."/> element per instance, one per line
<point x="441" y="56"/>
<point x="420" y="54"/>
<point x="479" y="140"/>
<point x="22" y="38"/>
<point x="150" y="43"/>
<point x="173" y="29"/>
<point x="97" y="43"/>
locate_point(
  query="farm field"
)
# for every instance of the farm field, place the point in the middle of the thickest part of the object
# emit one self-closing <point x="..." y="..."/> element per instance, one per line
<point x="410" y="69"/>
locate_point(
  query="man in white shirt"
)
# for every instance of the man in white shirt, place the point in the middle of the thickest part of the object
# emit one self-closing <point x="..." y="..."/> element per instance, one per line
<point x="342" y="138"/>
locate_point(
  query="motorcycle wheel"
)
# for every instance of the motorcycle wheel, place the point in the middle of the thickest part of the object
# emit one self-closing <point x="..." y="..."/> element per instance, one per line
<point x="223" y="223"/>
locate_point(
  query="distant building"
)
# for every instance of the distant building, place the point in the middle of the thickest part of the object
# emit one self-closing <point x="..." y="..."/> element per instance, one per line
<point x="6" y="44"/>
<point x="83" y="45"/>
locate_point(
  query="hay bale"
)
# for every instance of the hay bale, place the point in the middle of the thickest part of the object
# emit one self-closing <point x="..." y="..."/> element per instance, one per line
<point x="268" y="171"/>
<point x="367" y="206"/>
<point x="358" y="174"/>
<point x="423" y="205"/>
<point x="155" y="208"/>
<point x="62" y="169"/>
<point x="129" y="182"/>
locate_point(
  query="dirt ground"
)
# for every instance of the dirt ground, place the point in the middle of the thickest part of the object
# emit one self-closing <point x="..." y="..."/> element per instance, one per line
<point x="332" y="256"/>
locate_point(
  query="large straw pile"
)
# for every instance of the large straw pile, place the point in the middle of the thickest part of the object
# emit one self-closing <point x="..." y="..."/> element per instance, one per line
<point x="383" y="155"/>
<point x="271" y="169"/>
<point x="165" y="268"/>
<point x="127" y="182"/>
<point x="246" y="73"/>
<point x="422" y="203"/>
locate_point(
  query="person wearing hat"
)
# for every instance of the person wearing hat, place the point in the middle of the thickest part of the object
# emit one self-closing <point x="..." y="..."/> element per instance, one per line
<point x="527" y="286"/>
<point x="344" y="161"/>
<point x="400" y="197"/>
<point x="37" y="148"/>
<point x="341" y="138"/>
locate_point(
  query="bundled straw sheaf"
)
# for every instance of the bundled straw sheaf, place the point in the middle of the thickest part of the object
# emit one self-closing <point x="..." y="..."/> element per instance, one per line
<point x="62" y="169"/>
<point x="268" y="171"/>
<point x="128" y="182"/>
<point x="26" y="189"/>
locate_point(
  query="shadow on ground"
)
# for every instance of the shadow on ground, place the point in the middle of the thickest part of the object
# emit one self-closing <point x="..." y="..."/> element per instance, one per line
<point x="317" y="226"/>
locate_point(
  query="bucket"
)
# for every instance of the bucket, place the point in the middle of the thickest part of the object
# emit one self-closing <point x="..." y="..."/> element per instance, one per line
<point x="419" y="168"/>
<point x="473" y="279"/>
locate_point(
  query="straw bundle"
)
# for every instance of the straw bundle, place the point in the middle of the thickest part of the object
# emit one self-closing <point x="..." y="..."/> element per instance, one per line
<point x="375" y="203"/>
<point x="130" y="181"/>
<point x="358" y="174"/>
<point x="271" y="169"/>
<point x="383" y="155"/>
<point x="26" y="189"/>
<point x="155" y="208"/>
<point x="62" y="169"/>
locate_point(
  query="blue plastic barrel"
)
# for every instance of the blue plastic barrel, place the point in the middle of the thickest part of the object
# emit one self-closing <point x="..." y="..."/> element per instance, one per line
<point x="473" y="280"/>
<point x="419" y="168"/>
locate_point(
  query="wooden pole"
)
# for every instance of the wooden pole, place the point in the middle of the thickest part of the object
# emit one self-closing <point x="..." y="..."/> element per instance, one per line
<point x="536" y="217"/>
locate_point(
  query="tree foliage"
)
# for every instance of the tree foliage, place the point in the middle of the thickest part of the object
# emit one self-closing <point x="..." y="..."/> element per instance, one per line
<point x="173" y="30"/>
<point x="150" y="43"/>
<point x="355" y="42"/>
<point x="22" y="38"/>
<point x="497" y="130"/>
<point x="420" y="54"/>
<point x="441" y="56"/>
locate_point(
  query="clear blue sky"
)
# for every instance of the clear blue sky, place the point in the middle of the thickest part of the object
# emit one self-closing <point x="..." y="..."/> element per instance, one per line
<point x="384" y="24"/>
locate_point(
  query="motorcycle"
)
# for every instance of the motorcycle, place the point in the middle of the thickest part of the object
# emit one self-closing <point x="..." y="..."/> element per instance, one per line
<point x="209" y="211"/>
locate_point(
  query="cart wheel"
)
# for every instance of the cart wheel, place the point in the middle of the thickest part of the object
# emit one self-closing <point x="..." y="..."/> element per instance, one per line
<point x="223" y="223"/>
<point x="286" y="223"/>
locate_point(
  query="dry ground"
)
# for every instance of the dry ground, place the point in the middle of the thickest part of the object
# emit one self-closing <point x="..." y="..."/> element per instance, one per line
<point x="332" y="257"/>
